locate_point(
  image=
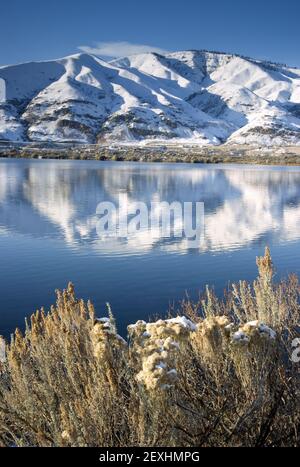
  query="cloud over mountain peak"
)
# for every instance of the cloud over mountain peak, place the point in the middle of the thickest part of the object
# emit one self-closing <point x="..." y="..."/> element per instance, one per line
<point x="119" y="49"/>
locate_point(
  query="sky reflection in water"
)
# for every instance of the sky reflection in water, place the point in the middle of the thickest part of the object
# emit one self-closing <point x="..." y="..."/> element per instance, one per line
<point x="48" y="235"/>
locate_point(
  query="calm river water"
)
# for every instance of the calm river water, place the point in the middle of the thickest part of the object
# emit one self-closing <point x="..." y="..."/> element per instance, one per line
<point x="48" y="233"/>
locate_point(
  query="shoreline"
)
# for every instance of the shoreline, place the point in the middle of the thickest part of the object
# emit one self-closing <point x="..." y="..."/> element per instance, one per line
<point x="286" y="156"/>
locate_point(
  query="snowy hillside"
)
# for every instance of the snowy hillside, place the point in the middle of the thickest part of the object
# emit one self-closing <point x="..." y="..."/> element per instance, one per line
<point x="199" y="96"/>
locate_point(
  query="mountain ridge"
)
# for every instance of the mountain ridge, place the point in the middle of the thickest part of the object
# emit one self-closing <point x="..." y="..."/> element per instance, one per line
<point x="209" y="98"/>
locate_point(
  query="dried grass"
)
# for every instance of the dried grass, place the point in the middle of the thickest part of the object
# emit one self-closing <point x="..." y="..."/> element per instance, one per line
<point x="222" y="376"/>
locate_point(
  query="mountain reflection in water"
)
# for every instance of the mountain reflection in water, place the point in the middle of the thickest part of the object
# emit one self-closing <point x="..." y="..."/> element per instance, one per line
<point x="48" y="235"/>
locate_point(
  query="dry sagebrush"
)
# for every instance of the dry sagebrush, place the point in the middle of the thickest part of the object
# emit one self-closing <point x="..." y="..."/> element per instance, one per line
<point x="218" y="374"/>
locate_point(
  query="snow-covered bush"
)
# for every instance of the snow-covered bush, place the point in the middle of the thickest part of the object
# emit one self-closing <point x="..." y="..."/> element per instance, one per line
<point x="218" y="374"/>
<point x="157" y="345"/>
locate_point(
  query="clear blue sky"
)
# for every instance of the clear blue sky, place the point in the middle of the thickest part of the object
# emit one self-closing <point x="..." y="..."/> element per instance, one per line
<point x="40" y="30"/>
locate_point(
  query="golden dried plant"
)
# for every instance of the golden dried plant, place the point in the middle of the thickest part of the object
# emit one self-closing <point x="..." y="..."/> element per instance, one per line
<point x="220" y="373"/>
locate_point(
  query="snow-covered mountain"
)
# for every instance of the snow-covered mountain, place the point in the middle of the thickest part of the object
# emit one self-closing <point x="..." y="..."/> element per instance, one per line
<point x="199" y="96"/>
